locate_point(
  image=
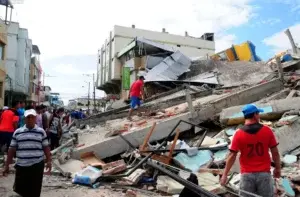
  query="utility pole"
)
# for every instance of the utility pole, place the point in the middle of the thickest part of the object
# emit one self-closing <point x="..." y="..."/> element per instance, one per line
<point x="94" y="93"/>
<point x="89" y="99"/>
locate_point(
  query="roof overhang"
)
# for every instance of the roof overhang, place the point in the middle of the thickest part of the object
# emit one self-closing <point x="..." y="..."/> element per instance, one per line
<point x="148" y="45"/>
<point x="6" y="3"/>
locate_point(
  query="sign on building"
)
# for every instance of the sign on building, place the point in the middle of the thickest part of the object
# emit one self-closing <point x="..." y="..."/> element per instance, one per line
<point x="126" y="78"/>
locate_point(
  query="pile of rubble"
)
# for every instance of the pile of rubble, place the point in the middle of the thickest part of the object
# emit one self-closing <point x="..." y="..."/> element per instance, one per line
<point x="181" y="140"/>
<point x="161" y="160"/>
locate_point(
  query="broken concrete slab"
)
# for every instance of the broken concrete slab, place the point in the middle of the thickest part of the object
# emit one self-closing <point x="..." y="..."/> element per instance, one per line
<point x="272" y="110"/>
<point x="276" y="96"/>
<point x="288" y="160"/>
<point x="288" y="137"/>
<point x="287" y="120"/>
<point x="168" y="185"/>
<point x="71" y="166"/>
<point x="210" y="106"/>
<point x="161" y="103"/>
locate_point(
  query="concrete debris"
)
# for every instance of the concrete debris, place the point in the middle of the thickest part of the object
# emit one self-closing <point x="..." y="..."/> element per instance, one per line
<point x="114" y="167"/>
<point x="272" y="111"/>
<point x="152" y="159"/>
<point x="168" y="185"/>
<point x="287" y="120"/>
<point x="288" y="160"/>
<point x="135" y="177"/>
<point x="194" y="163"/>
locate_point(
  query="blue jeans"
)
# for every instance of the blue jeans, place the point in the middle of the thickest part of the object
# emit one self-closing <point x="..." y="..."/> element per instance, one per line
<point x="260" y="183"/>
<point x="134" y="101"/>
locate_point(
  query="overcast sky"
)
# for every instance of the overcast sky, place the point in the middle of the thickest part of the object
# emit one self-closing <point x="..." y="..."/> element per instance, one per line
<point x="70" y="32"/>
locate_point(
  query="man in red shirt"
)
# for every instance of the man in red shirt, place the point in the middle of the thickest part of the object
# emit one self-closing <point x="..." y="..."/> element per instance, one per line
<point x="136" y="94"/>
<point x="254" y="141"/>
<point x="8" y="124"/>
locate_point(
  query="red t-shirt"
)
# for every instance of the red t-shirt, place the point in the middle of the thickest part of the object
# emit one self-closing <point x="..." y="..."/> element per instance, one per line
<point x="8" y="118"/>
<point x="136" y="88"/>
<point x="254" y="142"/>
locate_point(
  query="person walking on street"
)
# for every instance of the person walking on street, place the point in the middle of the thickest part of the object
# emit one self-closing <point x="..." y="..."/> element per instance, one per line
<point x="56" y="128"/>
<point x="30" y="145"/>
<point x="136" y="94"/>
<point x="46" y="119"/>
<point x="8" y="124"/>
<point x="21" y="111"/>
<point x="254" y="141"/>
<point x="39" y="118"/>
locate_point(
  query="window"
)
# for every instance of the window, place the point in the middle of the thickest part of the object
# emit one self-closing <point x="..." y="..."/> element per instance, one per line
<point x="178" y="45"/>
<point x="33" y="90"/>
<point x="1" y="89"/>
<point x="2" y="46"/>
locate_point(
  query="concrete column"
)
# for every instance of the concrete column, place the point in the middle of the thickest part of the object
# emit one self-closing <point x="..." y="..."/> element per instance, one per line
<point x="280" y="69"/>
<point x="294" y="47"/>
<point x="190" y="103"/>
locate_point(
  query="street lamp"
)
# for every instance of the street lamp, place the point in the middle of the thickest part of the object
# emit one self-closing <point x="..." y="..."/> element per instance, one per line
<point x="94" y="89"/>
<point x="88" y="96"/>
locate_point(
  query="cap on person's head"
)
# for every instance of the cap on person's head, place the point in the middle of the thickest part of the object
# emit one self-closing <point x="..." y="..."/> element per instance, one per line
<point x="142" y="77"/>
<point x="30" y="112"/>
<point x="5" y="108"/>
<point x="251" y="109"/>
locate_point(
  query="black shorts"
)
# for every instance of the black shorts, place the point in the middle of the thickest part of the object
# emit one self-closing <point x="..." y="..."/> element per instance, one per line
<point x="5" y="139"/>
<point x="54" y="141"/>
<point x="28" y="180"/>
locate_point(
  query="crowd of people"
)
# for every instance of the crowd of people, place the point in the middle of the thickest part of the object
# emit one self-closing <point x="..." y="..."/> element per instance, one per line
<point x="53" y="121"/>
<point x="29" y="134"/>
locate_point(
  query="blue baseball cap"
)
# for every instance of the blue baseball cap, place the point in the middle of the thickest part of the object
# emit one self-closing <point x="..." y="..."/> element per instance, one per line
<point x="251" y="109"/>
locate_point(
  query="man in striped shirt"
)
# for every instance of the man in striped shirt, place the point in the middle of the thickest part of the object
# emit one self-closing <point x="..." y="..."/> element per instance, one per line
<point x="30" y="145"/>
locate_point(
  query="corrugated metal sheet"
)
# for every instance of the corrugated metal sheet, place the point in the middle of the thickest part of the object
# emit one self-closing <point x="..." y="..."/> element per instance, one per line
<point x="208" y="77"/>
<point x="170" y="68"/>
<point x="142" y="40"/>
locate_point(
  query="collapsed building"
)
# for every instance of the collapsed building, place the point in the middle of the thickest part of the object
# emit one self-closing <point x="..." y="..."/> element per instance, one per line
<point x="190" y="115"/>
<point x="191" y="112"/>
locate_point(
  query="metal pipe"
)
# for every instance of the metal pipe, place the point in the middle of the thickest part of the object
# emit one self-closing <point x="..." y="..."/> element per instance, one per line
<point x="69" y="142"/>
<point x="191" y="186"/>
<point x="185" y="150"/>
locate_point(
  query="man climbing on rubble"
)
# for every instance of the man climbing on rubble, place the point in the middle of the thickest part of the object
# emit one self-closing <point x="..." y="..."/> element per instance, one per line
<point x="136" y="94"/>
<point x="30" y="145"/>
<point x="254" y="141"/>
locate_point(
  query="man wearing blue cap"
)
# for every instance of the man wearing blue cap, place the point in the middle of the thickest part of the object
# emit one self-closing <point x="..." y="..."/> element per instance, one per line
<point x="254" y="141"/>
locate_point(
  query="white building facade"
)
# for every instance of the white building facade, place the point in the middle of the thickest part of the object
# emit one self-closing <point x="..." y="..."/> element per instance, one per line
<point x="109" y="67"/>
<point x="18" y="59"/>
